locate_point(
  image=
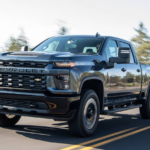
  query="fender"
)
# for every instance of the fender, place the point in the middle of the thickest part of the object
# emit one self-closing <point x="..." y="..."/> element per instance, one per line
<point x="92" y="78"/>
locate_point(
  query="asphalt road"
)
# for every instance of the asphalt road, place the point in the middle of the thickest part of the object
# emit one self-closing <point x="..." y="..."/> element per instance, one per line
<point x="120" y="131"/>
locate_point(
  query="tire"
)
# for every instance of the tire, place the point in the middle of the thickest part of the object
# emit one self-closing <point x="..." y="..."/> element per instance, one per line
<point x="86" y="119"/>
<point x="145" y="109"/>
<point x="8" y="120"/>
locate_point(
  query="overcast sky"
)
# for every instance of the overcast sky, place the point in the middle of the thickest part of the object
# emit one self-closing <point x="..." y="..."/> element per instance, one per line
<point x="42" y="18"/>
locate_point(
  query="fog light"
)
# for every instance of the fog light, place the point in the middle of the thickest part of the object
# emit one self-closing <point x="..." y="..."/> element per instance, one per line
<point x="62" y="82"/>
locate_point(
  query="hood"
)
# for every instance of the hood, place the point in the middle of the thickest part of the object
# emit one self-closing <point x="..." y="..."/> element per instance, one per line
<point x="43" y="56"/>
<point x="34" y="56"/>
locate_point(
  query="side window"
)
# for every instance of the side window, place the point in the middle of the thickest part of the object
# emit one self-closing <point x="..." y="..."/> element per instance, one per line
<point x="111" y="49"/>
<point x="122" y="44"/>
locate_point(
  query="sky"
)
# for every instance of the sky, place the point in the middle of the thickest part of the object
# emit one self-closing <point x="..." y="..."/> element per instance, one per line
<point x="41" y="19"/>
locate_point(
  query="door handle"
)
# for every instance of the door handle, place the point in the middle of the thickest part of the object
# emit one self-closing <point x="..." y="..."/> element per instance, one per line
<point x="123" y="69"/>
<point x="138" y="70"/>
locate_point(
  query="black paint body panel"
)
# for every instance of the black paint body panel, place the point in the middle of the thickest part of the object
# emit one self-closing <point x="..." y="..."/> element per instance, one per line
<point x="116" y="83"/>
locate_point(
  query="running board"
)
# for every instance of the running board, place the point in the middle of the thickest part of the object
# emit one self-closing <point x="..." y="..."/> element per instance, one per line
<point x="121" y="109"/>
<point x="119" y="102"/>
<point x="123" y="101"/>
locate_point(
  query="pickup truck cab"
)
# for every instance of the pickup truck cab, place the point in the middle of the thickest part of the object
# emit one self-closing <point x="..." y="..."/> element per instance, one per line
<point x="74" y="79"/>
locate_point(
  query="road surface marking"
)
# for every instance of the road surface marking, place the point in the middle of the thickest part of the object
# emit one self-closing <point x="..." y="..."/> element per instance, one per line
<point x="97" y="139"/>
<point x="114" y="139"/>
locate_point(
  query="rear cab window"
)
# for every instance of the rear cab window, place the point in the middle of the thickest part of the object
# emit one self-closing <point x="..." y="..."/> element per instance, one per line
<point x="123" y="44"/>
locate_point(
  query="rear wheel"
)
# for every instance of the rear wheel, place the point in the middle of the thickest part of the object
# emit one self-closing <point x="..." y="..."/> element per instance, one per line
<point x="86" y="120"/>
<point x="8" y="120"/>
<point x="145" y="109"/>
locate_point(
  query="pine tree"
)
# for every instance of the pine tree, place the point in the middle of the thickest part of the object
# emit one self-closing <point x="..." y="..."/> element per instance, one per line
<point x="63" y="31"/>
<point x="141" y="43"/>
<point x="15" y="44"/>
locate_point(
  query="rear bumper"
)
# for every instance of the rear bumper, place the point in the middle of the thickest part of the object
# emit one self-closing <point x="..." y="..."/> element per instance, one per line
<point x="38" y="105"/>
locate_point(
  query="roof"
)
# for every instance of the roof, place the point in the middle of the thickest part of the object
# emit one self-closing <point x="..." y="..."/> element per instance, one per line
<point x="77" y="36"/>
<point x="92" y="36"/>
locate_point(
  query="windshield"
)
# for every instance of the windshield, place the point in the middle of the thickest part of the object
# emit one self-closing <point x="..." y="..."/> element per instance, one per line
<point x="88" y="45"/>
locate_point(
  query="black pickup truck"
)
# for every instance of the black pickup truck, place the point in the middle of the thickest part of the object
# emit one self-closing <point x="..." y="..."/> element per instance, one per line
<point x="74" y="79"/>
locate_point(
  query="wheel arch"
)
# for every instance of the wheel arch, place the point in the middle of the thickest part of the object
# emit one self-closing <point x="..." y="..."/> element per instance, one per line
<point x="98" y="87"/>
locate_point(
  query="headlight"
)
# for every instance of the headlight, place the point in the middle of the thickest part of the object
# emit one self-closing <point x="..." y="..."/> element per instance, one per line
<point x="64" y="64"/>
<point x="62" y="82"/>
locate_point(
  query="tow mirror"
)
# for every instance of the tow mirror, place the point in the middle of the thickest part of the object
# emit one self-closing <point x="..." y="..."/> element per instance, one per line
<point x="24" y="48"/>
<point x="109" y="65"/>
<point x="123" y="56"/>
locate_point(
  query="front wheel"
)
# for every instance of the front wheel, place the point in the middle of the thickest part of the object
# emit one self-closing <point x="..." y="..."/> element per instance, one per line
<point x="8" y="120"/>
<point x="86" y="120"/>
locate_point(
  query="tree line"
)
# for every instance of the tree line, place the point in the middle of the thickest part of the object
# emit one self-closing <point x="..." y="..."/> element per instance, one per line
<point x="15" y="43"/>
<point x="141" y="42"/>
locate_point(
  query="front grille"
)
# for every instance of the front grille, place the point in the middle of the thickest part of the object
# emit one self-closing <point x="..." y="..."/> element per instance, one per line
<point x="34" y="82"/>
<point x="23" y="64"/>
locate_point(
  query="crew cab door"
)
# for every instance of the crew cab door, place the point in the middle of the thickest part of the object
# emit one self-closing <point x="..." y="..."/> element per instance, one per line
<point x="133" y="74"/>
<point x="115" y="77"/>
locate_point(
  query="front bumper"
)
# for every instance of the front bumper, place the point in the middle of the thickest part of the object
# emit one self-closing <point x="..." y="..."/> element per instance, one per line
<point x="38" y="105"/>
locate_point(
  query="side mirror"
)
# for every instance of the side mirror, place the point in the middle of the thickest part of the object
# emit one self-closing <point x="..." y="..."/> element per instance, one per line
<point x="109" y="65"/>
<point x="123" y="56"/>
<point x="24" y="48"/>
